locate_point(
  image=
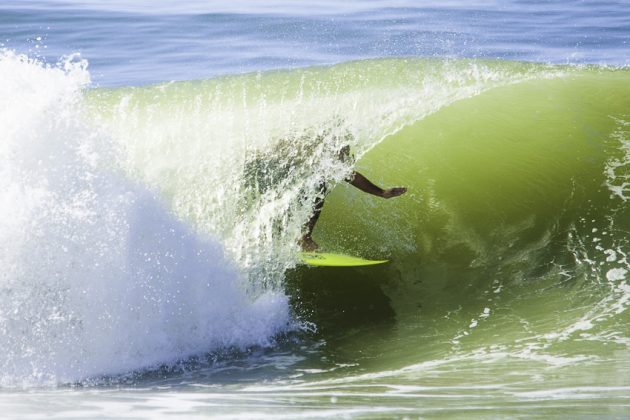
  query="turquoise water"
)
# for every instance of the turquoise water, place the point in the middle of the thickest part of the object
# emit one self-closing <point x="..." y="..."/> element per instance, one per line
<point x="148" y="271"/>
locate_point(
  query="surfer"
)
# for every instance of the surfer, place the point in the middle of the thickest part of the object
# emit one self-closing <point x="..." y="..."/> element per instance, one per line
<point x="355" y="179"/>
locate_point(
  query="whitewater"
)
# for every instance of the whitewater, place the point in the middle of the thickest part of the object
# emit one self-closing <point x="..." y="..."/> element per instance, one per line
<point x="150" y="211"/>
<point x="97" y="277"/>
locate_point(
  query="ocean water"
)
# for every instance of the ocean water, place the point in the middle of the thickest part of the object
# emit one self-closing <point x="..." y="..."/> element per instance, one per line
<point x="159" y="160"/>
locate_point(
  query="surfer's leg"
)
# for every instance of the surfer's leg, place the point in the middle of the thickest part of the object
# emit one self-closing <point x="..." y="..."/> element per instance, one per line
<point x="307" y="243"/>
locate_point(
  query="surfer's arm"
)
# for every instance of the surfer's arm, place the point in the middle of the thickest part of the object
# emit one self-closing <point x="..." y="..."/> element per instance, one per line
<point x="359" y="181"/>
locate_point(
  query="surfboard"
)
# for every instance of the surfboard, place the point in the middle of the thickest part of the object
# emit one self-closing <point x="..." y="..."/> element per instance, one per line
<point x="327" y="259"/>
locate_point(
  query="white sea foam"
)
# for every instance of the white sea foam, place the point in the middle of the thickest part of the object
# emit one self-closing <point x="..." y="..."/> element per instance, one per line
<point x="96" y="277"/>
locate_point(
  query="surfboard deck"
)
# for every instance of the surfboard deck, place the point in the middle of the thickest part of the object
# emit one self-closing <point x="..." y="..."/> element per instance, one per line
<point x="328" y="259"/>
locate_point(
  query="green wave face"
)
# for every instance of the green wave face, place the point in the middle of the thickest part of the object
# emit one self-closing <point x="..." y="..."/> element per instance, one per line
<point x="511" y="243"/>
<point x="513" y="238"/>
<point x="492" y="176"/>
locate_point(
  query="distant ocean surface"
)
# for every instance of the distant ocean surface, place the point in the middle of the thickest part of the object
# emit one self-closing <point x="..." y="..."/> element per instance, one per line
<point x="160" y="159"/>
<point x="140" y="42"/>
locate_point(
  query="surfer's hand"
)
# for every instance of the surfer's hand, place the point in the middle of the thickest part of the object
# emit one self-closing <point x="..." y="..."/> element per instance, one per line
<point x="394" y="192"/>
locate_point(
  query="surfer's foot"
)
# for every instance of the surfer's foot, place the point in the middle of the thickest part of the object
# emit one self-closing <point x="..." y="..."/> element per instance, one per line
<point x="308" y="244"/>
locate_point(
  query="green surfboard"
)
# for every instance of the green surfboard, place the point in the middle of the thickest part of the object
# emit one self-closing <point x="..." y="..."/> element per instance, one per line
<point x="326" y="259"/>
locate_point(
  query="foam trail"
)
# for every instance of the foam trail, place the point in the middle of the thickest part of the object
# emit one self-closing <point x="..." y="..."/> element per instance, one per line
<point x="96" y="277"/>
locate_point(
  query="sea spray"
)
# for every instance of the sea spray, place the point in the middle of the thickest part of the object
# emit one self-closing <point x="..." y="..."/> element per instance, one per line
<point x="96" y="276"/>
<point x="208" y="145"/>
